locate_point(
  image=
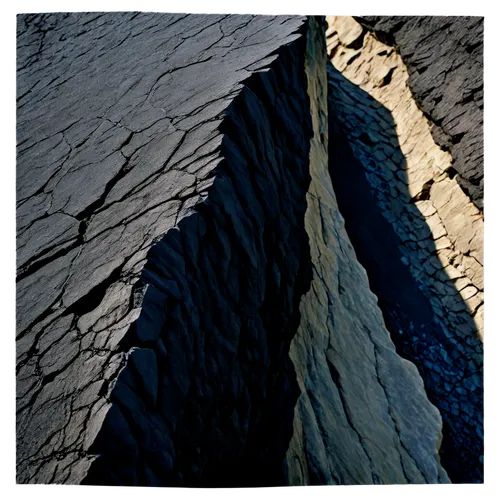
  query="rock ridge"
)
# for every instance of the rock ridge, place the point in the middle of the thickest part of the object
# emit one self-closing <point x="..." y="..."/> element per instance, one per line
<point x="363" y="416"/>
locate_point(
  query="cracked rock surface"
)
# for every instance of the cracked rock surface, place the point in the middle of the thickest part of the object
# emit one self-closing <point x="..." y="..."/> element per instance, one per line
<point x="363" y="416"/>
<point x="444" y="57"/>
<point x="417" y="233"/>
<point x="133" y="308"/>
<point x="190" y="308"/>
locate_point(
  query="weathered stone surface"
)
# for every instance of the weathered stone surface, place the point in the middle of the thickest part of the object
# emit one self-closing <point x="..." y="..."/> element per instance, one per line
<point x="168" y="234"/>
<point x="416" y="232"/>
<point x="148" y="308"/>
<point x="444" y="57"/>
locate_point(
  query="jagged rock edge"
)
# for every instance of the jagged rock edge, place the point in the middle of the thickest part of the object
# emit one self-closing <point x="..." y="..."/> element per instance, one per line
<point x="140" y="288"/>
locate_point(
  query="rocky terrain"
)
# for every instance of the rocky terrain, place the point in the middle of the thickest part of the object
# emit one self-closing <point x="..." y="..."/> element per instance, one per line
<point x="444" y="59"/>
<point x="191" y="308"/>
<point x="418" y="235"/>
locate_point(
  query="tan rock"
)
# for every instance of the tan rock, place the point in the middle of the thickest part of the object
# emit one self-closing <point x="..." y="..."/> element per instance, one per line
<point x="346" y="27"/>
<point x="453" y="272"/>
<point x="456" y="224"/>
<point x="479" y="321"/>
<point x="468" y="292"/>
<point x="426" y="208"/>
<point x="436" y="226"/>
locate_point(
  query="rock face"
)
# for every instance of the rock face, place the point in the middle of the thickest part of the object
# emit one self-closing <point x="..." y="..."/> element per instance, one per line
<point x="444" y="58"/>
<point x="363" y="416"/>
<point x="417" y="234"/>
<point x="152" y="337"/>
<point x="190" y="308"/>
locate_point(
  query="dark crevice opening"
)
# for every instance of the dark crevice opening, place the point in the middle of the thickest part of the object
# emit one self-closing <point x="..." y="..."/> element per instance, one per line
<point x="387" y="78"/>
<point x="451" y="172"/>
<point x="425" y="194"/>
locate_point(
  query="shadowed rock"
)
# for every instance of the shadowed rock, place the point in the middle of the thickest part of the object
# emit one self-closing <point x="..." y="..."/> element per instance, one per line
<point x="161" y="180"/>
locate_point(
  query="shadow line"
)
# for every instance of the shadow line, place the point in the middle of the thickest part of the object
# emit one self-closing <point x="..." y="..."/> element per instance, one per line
<point x="446" y="349"/>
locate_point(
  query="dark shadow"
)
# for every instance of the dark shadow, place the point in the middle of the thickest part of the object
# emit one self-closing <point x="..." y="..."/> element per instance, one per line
<point x="446" y="350"/>
<point x="220" y="308"/>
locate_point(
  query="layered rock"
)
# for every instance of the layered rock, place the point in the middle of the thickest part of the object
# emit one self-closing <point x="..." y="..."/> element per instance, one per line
<point x="417" y="233"/>
<point x="362" y="416"/>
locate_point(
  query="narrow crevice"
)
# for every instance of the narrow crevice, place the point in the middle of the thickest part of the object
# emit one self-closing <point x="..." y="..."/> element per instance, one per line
<point x="94" y="296"/>
<point x="36" y="263"/>
<point x="387" y="78"/>
<point x="93" y="207"/>
<point x="425" y="193"/>
<point x="352" y="58"/>
<point x="451" y="172"/>
<point x="455" y="139"/>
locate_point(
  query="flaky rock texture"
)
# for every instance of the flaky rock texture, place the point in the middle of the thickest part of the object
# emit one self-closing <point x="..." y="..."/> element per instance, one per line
<point x="444" y="58"/>
<point x="363" y="416"/>
<point x="417" y="234"/>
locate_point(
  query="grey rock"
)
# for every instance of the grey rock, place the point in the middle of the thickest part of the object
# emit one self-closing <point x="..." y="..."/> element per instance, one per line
<point x="153" y="219"/>
<point x="363" y="416"/>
